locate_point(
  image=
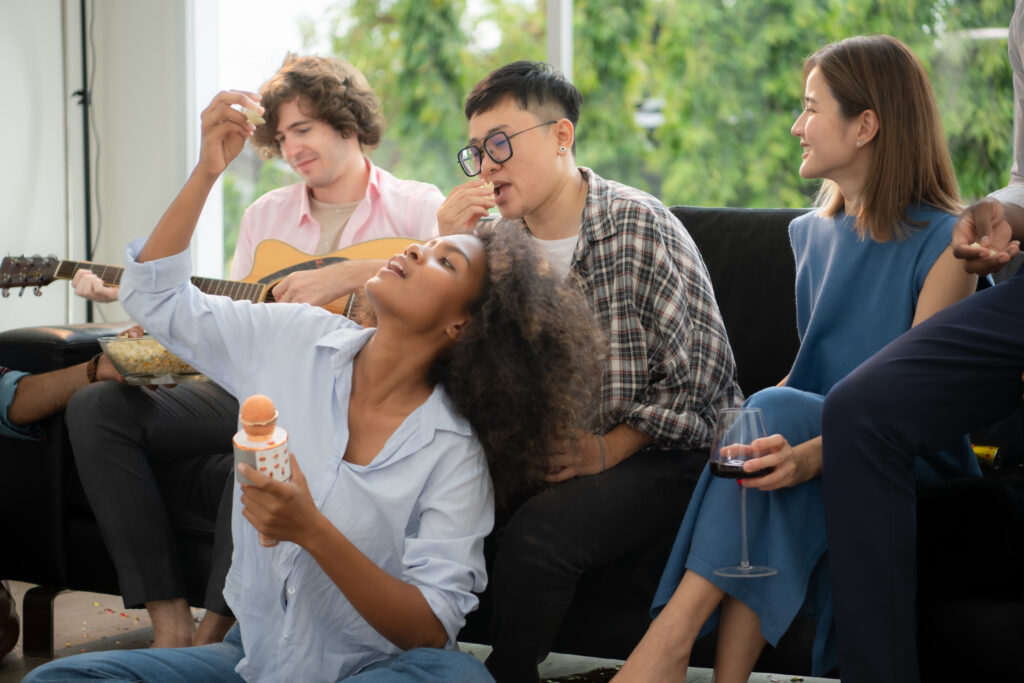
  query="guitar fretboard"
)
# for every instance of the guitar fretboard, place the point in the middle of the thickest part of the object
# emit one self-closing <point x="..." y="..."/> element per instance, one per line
<point x="111" y="275"/>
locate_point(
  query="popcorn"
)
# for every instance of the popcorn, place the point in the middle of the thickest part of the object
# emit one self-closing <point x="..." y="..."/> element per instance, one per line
<point x="253" y="116"/>
<point x="144" y="356"/>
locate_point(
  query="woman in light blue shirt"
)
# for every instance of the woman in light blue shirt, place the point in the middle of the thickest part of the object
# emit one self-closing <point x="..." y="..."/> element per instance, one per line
<point x="393" y="432"/>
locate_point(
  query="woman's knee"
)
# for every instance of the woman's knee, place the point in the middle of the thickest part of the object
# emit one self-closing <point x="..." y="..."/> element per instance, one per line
<point x="791" y="412"/>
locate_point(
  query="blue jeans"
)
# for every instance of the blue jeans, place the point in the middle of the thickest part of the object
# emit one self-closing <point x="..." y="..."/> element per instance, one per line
<point x="216" y="663"/>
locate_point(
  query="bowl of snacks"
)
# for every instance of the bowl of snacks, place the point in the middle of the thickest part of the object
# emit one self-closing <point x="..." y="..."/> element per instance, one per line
<point x="144" y="360"/>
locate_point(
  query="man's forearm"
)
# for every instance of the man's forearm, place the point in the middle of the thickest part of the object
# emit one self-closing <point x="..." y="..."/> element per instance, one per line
<point x="622" y="442"/>
<point x="39" y="396"/>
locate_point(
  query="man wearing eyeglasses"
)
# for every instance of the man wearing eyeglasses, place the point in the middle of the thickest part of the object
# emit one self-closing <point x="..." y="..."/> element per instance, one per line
<point x="669" y="367"/>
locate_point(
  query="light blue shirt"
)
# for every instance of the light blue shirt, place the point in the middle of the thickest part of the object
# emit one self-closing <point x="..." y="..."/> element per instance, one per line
<point x="420" y="510"/>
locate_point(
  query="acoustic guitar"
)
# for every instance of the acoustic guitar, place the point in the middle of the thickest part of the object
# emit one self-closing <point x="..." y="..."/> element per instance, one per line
<point x="272" y="262"/>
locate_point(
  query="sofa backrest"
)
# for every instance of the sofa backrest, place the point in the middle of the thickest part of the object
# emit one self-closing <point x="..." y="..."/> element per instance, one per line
<point x="751" y="266"/>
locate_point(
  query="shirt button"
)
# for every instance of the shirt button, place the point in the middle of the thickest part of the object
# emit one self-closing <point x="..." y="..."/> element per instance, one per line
<point x="291" y="591"/>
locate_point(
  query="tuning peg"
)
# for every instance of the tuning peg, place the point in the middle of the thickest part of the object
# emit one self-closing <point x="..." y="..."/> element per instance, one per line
<point x="21" y="292"/>
<point x="37" y="291"/>
<point x="6" y="293"/>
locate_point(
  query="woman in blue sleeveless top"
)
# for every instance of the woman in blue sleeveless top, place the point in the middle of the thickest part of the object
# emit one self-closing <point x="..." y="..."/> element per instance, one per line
<point x="872" y="261"/>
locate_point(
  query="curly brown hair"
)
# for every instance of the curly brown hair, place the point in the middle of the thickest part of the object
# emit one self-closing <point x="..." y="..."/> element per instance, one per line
<point x="529" y="364"/>
<point x="328" y="90"/>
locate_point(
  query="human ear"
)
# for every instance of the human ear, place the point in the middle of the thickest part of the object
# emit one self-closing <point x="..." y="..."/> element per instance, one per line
<point x="565" y="134"/>
<point x="455" y="330"/>
<point x="867" y="127"/>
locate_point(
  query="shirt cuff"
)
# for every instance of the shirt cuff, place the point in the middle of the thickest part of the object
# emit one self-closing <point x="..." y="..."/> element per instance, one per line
<point x="156" y="275"/>
<point x="1012" y="194"/>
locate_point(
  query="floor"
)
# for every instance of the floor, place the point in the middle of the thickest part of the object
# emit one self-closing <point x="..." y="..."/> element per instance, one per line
<point x="90" y="622"/>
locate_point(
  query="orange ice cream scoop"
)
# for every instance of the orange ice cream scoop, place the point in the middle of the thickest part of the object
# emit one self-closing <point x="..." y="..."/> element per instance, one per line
<point x="258" y="417"/>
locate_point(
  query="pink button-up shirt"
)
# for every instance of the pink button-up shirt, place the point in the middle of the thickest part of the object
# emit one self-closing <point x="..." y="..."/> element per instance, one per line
<point x="391" y="208"/>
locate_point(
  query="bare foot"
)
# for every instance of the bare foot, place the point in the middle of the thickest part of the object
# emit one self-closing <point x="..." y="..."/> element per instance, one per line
<point x="212" y="628"/>
<point x="655" y="660"/>
<point x="172" y="622"/>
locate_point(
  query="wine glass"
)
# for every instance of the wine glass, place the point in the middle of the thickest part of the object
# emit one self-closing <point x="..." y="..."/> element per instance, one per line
<point x="736" y="429"/>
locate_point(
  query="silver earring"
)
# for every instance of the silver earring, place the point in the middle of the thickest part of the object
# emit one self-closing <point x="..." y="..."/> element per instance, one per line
<point x="562" y="150"/>
<point x="858" y="143"/>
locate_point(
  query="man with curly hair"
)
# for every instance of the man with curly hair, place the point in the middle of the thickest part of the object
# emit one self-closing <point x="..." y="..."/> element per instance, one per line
<point x="155" y="461"/>
<point x="669" y="367"/>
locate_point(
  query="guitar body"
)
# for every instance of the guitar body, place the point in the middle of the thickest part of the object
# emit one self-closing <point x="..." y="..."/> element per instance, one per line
<point x="274" y="260"/>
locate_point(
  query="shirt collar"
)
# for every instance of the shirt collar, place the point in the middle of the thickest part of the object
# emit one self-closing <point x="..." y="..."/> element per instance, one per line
<point x="372" y="191"/>
<point x="596" y="226"/>
<point x="373" y="187"/>
<point x="436" y="413"/>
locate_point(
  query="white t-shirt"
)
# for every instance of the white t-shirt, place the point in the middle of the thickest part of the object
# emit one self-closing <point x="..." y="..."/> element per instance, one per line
<point x="558" y="252"/>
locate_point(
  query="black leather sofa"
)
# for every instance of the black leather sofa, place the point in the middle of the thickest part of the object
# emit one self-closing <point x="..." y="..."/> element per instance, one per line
<point x="972" y="599"/>
<point x="50" y="536"/>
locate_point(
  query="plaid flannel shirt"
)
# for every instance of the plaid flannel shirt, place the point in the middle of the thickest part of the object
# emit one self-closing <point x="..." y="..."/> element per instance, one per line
<point x="670" y="367"/>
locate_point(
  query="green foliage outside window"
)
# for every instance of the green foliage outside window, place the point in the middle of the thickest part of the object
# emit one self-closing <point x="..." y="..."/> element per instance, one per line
<point x="724" y="78"/>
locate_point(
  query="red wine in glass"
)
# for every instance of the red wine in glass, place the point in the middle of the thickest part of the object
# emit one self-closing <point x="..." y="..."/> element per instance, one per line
<point x="733" y="469"/>
<point x="735" y="430"/>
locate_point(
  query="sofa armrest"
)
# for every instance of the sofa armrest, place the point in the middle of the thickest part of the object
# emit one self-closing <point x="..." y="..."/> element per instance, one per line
<point x="43" y="348"/>
<point x="36" y="473"/>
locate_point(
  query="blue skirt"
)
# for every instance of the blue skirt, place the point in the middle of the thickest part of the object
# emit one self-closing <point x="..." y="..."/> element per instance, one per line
<point x="785" y="530"/>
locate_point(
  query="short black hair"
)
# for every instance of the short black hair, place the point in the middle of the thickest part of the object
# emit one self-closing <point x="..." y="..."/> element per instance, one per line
<point x="531" y="84"/>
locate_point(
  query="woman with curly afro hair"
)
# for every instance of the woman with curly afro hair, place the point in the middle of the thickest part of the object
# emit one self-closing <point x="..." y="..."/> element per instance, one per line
<point x="533" y="330"/>
<point x="480" y="358"/>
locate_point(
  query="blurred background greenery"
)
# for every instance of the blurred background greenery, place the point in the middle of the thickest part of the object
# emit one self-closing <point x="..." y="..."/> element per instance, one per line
<point x="691" y="100"/>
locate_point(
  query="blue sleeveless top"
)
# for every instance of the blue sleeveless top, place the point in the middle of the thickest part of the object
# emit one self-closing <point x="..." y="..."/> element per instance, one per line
<point x="854" y="296"/>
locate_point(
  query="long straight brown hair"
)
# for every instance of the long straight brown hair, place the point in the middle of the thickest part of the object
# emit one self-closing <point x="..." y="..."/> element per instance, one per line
<point x="910" y="161"/>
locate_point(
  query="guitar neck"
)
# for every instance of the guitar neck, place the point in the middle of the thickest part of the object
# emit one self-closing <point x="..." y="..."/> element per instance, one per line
<point x="111" y="276"/>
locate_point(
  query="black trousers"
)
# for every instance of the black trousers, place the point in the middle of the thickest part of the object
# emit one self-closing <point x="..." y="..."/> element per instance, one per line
<point x="956" y="372"/>
<point x="572" y="527"/>
<point x="152" y="463"/>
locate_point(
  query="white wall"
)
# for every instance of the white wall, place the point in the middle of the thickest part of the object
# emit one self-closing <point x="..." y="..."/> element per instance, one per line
<point x="32" y="179"/>
<point x="145" y="110"/>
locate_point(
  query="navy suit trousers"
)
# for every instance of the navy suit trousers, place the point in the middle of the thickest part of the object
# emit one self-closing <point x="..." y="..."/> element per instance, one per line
<point x="956" y="372"/>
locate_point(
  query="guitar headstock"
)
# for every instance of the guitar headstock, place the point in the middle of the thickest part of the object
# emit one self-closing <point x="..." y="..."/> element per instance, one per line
<point x="27" y="271"/>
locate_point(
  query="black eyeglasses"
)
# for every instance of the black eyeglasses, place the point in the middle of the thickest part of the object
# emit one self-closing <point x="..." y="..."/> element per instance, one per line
<point x="498" y="147"/>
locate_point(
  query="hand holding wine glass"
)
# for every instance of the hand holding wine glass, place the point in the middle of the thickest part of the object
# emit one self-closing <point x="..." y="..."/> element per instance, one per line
<point x="731" y="446"/>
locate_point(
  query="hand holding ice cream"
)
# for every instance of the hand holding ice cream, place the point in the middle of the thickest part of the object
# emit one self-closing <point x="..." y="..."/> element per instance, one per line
<point x="280" y="511"/>
<point x="261" y="447"/>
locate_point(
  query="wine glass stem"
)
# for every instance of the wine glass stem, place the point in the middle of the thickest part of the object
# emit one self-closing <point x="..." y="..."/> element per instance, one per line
<point x="745" y="560"/>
